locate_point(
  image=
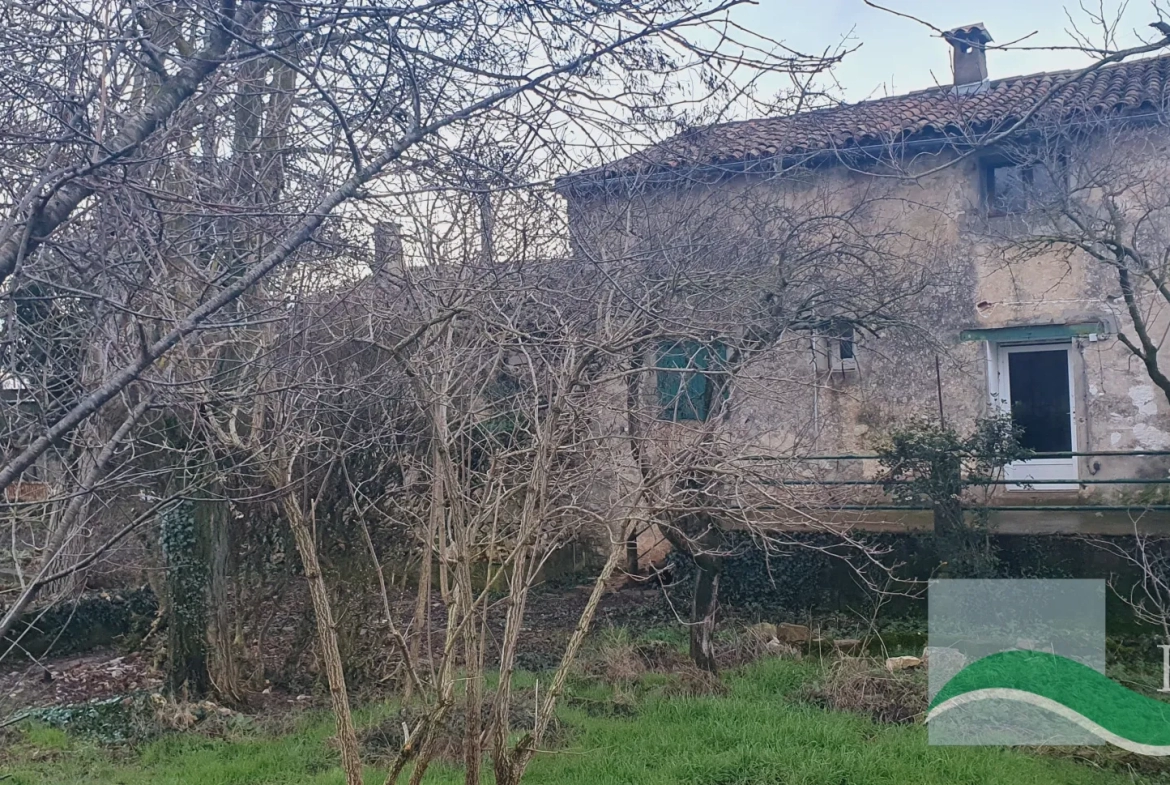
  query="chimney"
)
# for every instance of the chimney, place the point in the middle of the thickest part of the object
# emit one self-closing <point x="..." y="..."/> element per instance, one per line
<point x="388" y="255"/>
<point x="969" y="57"/>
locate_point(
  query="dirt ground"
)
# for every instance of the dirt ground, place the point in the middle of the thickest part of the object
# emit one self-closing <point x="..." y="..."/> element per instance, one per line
<point x="76" y="679"/>
<point x="550" y="618"/>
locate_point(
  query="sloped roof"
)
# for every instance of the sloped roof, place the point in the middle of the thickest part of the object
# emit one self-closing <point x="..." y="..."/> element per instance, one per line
<point x="937" y="113"/>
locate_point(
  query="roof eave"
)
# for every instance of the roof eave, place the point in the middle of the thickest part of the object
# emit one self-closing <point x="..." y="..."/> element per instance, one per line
<point x="960" y="140"/>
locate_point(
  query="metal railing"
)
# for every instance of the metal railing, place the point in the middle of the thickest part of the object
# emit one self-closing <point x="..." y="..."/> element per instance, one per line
<point x="1023" y="484"/>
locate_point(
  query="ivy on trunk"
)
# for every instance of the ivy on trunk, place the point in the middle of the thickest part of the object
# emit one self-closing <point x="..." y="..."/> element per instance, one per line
<point x="185" y="552"/>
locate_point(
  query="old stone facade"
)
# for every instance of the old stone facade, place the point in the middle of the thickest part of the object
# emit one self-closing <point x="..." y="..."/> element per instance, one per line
<point x="983" y="226"/>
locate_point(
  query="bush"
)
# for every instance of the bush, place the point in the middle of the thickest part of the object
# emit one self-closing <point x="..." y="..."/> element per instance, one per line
<point x="135" y="718"/>
<point x="92" y="621"/>
<point x="790" y="582"/>
<point x="803" y="581"/>
<point x="929" y="463"/>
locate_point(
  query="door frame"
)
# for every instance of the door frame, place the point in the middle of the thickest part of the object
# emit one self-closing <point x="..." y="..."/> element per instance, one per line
<point x="1000" y="390"/>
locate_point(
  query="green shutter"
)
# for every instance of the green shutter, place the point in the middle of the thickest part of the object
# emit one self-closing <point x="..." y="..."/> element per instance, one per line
<point x="685" y="386"/>
<point x="697" y="403"/>
<point x="668" y="373"/>
<point x="681" y="391"/>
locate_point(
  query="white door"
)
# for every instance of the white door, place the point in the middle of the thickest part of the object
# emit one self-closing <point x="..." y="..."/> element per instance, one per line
<point x="1036" y="387"/>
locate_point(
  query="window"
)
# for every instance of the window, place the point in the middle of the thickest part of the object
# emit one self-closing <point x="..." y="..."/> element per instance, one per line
<point x="1010" y="187"/>
<point x="690" y="378"/>
<point x="842" y="348"/>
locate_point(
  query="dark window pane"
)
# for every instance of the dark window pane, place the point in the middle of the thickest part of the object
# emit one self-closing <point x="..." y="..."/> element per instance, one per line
<point x="1008" y="187"/>
<point x="1017" y="188"/>
<point x="845" y="341"/>
<point x="1040" y="399"/>
<point x="1047" y="184"/>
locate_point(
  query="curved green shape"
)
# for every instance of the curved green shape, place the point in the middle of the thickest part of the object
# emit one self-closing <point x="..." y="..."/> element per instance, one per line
<point x="1078" y="687"/>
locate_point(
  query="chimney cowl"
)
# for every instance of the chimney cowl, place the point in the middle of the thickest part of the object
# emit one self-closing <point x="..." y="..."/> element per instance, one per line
<point x="969" y="53"/>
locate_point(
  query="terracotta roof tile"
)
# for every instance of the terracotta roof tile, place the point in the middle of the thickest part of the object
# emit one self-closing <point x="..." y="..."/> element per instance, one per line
<point x="1124" y="88"/>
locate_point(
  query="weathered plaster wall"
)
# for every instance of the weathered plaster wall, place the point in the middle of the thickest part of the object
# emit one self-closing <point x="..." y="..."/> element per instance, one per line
<point x="790" y="402"/>
<point x="1118" y="407"/>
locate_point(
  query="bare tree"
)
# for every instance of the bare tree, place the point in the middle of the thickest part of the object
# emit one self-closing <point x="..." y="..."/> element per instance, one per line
<point x="1094" y="208"/>
<point x="171" y="160"/>
<point x="1098" y="203"/>
<point x="742" y="295"/>
<point x="193" y="215"/>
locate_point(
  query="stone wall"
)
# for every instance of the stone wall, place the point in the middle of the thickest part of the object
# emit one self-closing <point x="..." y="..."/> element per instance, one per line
<point x="947" y="268"/>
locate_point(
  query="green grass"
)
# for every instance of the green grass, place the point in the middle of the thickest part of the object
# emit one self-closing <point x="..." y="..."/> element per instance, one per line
<point x="755" y="735"/>
<point x="301" y="756"/>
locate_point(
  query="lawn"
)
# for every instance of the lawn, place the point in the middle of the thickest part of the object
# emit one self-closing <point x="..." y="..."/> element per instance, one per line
<point x="756" y="734"/>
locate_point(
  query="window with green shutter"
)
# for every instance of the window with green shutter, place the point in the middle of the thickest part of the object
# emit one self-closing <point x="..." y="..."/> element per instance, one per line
<point x="689" y="378"/>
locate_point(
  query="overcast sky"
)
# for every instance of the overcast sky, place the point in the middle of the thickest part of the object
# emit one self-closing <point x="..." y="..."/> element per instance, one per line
<point x="898" y="55"/>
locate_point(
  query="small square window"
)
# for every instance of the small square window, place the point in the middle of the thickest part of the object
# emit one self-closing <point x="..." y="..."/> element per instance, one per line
<point x="690" y="378"/>
<point x="1011" y="187"/>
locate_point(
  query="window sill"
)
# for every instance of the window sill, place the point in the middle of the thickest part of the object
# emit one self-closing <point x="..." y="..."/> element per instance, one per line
<point x="1007" y="225"/>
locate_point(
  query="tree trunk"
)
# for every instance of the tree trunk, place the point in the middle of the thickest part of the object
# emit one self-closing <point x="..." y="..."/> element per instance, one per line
<point x="327" y="638"/>
<point x="501" y="726"/>
<point x="947" y="506"/>
<point x="634" y="431"/>
<point x="526" y="747"/>
<point x="948" y="516"/>
<point x="72" y="524"/>
<point x="223" y="663"/>
<point x="703" y="611"/>
<point x="1148" y="351"/>
<point x="185" y="557"/>
<point x="632" y="552"/>
<point x="474" y="636"/>
<point x="954" y="541"/>
<point x="422" y="606"/>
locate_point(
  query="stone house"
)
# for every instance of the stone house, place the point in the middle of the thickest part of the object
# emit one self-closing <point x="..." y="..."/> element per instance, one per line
<point x="1004" y="201"/>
